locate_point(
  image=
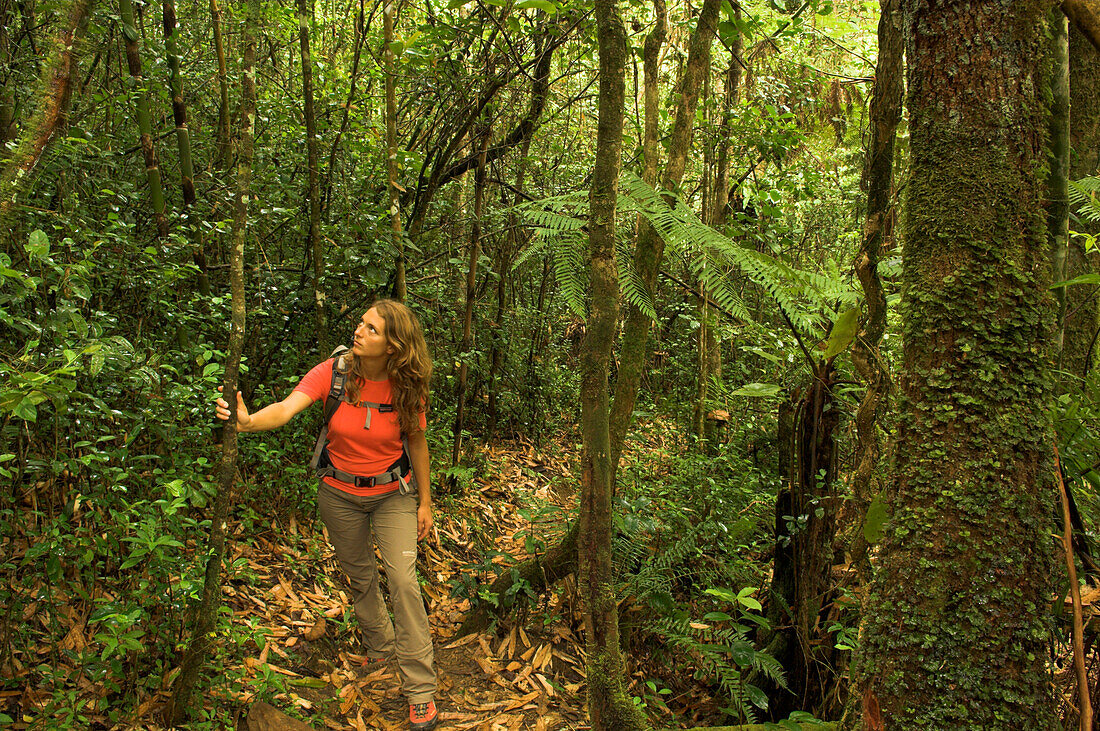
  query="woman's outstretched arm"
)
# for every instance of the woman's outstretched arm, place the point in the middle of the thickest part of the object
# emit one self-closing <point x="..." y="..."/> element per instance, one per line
<point x="269" y="417"/>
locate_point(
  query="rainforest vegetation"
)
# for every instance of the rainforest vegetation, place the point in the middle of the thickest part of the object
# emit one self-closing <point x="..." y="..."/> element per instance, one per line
<point x="763" y="337"/>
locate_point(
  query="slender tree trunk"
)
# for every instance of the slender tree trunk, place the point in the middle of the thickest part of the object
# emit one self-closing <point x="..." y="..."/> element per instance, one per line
<point x="183" y="139"/>
<point x="58" y="74"/>
<point x="470" y="297"/>
<point x="732" y="95"/>
<point x="1082" y="314"/>
<point x="968" y="547"/>
<point x="145" y="124"/>
<point x="866" y="357"/>
<point x="399" y="287"/>
<point x="649" y="247"/>
<point x="207" y="611"/>
<point x="305" y="15"/>
<point x="360" y="36"/>
<point x="609" y="706"/>
<point x="8" y="129"/>
<point x="223" y="150"/>
<point x="505" y="253"/>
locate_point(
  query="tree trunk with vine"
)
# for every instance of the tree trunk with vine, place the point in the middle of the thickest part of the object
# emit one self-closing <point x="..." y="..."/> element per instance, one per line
<point x="206" y="613"/>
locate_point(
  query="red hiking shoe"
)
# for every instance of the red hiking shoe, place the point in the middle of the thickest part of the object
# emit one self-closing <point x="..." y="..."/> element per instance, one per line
<point x="423" y="716"/>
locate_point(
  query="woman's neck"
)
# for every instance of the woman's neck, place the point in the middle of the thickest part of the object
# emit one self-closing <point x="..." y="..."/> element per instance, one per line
<point x="374" y="369"/>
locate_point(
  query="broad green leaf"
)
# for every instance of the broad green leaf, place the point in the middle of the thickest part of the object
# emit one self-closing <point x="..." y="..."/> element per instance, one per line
<point x="742" y="652"/>
<point x="544" y="5"/>
<point x="875" y="522"/>
<point x="844" y="331"/>
<point x="717" y="617"/>
<point x="723" y="594"/>
<point x="38" y="244"/>
<point x="758" y="697"/>
<point x="757" y="390"/>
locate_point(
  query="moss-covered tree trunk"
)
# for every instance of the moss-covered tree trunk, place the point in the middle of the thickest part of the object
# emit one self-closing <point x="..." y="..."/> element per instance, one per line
<point x="1057" y="188"/>
<point x="132" y="38"/>
<point x="886" y="100"/>
<point x="224" y="147"/>
<point x="400" y="287"/>
<point x="1081" y="321"/>
<point x="205" y="617"/>
<point x="609" y="707"/>
<point x="58" y="72"/>
<point x="313" y="157"/>
<point x="649" y="247"/>
<point x="954" y="630"/>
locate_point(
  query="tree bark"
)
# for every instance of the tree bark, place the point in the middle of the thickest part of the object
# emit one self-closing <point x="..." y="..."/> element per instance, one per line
<point x="144" y="119"/>
<point x="1082" y="314"/>
<point x="223" y="149"/>
<point x="316" y="248"/>
<point x="968" y="547"/>
<point x="885" y="111"/>
<point x="609" y="706"/>
<point x="206" y="613"/>
<point x="649" y="247"/>
<point x="394" y="187"/>
<point x="58" y="73"/>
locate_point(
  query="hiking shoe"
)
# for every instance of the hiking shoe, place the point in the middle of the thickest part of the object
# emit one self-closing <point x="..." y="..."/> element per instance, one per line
<point x="423" y="716"/>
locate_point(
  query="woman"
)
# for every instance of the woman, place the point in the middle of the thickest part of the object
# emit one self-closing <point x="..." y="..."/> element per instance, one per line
<point x="365" y="490"/>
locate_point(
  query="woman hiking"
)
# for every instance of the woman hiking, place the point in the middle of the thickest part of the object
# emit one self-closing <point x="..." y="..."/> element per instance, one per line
<point x="373" y="464"/>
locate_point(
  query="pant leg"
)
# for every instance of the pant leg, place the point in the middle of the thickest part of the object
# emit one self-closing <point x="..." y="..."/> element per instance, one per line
<point x="394" y="521"/>
<point x="348" y="522"/>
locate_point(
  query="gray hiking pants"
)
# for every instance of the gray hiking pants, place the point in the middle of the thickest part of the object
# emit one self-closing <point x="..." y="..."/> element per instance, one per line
<point x="353" y="524"/>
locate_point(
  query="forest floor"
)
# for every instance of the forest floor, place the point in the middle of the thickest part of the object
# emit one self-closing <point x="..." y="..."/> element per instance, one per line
<point x="286" y="590"/>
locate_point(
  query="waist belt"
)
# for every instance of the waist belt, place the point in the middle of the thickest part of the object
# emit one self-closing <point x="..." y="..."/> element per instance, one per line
<point x="395" y="473"/>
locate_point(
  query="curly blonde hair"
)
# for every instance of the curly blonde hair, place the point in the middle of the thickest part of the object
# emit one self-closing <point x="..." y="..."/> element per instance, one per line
<point x="409" y="366"/>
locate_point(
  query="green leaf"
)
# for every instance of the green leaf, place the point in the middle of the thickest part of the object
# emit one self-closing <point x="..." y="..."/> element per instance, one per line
<point x="38" y="244"/>
<point x="25" y="410"/>
<point x="723" y="594"/>
<point x="843" y="332"/>
<point x="309" y="682"/>
<point x="875" y="522"/>
<point x="742" y="652"/>
<point x="53" y="568"/>
<point x="758" y="697"/>
<point x="397" y="48"/>
<point x="749" y="603"/>
<point x="1083" y="279"/>
<point x="544" y="5"/>
<point x="757" y="390"/>
<point x="717" y="617"/>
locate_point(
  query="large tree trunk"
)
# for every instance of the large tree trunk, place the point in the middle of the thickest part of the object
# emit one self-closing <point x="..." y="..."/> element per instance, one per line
<point x="1082" y="321"/>
<point x="53" y="109"/>
<point x="1057" y="188"/>
<point x="609" y="707"/>
<point x="144" y="119"/>
<point x="650" y="246"/>
<point x="968" y="548"/>
<point x="316" y="248"/>
<point x="206" y="613"/>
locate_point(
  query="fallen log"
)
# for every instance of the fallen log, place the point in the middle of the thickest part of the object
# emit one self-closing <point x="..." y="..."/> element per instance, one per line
<point x="265" y="717"/>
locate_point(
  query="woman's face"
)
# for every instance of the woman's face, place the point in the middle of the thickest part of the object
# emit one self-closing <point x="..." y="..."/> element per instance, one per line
<point x="370" y="337"/>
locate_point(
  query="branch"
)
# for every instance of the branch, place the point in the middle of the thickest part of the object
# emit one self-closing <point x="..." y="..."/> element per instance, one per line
<point x="1085" y="14"/>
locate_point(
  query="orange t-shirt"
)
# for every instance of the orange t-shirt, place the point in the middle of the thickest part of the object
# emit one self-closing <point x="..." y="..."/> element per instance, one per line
<point x="352" y="447"/>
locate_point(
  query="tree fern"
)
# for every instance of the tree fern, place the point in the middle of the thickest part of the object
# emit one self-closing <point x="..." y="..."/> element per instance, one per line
<point x="808" y="299"/>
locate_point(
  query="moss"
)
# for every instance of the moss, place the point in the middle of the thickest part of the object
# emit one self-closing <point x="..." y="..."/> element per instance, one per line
<point x="955" y="627"/>
<point x="607" y="699"/>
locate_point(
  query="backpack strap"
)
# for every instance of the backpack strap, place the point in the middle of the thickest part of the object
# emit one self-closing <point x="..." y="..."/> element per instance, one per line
<point x="336" y="389"/>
